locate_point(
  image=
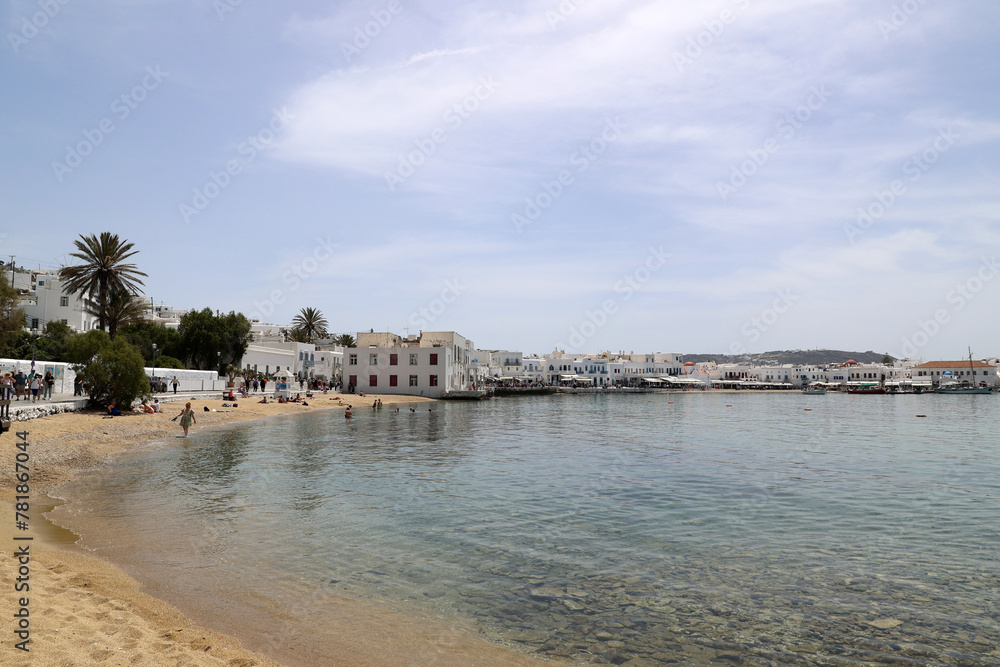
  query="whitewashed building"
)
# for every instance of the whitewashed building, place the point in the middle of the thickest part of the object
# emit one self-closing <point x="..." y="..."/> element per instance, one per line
<point x="48" y="302"/>
<point x="429" y="364"/>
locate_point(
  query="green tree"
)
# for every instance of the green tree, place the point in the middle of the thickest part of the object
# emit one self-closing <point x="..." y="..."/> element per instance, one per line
<point x="887" y="360"/>
<point x="210" y="342"/>
<point x="121" y="308"/>
<point x="11" y="316"/>
<point x="115" y="373"/>
<point x="298" y="335"/>
<point x="345" y="340"/>
<point x="166" y="361"/>
<point x="311" y="323"/>
<point x="144" y="334"/>
<point x="58" y="331"/>
<point x="82" y="348"/>
<point x="104" y="271"/>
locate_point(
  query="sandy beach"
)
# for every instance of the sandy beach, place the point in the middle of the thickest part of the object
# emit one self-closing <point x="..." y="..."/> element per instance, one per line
<point x="87" y="611"/>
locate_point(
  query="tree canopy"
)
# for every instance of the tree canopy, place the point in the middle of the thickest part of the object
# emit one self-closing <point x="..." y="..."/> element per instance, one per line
<point x="311" y="323"/>
<point x="11" y="316"/>
<point x="210" y="342"/>
<point x="104" y="271"/>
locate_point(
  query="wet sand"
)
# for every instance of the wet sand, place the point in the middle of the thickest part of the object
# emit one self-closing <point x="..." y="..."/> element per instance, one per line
<point x="85" y="610"/>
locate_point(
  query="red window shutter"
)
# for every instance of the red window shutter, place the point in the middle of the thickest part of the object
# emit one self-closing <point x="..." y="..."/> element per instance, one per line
<point x="393" y="380"/>
<point x="372" y="380"/>
<point x="353" y="380"/>
<point x="434" y="360"/>
<point x="393" y="359"/>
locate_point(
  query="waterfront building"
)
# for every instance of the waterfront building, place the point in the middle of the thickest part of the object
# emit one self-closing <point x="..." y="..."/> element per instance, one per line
<point x="429" y="364"/>
<point x="941" y="372"/>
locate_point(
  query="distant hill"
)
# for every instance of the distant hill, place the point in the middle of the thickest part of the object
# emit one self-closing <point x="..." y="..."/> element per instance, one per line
<point x="795" y="357"/>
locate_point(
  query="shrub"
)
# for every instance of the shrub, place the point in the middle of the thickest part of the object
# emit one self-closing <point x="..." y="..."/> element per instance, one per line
<point x="115" y="373"/>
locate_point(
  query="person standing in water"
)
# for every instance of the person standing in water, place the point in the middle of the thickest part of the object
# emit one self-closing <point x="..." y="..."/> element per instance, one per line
<point x="187" y="418"/>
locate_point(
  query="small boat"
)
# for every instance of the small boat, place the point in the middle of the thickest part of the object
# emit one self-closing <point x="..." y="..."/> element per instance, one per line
<point x="964" y="387"/>
<point x="865" y="388"/>
<point x="814" y="390"/>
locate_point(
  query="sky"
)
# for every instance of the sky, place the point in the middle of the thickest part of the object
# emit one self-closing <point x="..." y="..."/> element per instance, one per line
<point x="624" y="175"/>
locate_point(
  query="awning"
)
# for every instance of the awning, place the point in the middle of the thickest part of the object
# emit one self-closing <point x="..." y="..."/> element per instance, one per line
<point x="686" y="380"/>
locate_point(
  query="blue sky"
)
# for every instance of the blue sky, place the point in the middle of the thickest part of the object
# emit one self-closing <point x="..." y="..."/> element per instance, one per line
<point x="625" y="175"/>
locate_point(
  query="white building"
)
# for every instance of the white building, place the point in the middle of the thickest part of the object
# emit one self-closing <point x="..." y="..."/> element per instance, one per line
<point x="48" y="302"/>
<point x="167" y="316"/>
<point x="430" y="364"/>
<point x="299" y="359"/>
<point x="943" y="372"/>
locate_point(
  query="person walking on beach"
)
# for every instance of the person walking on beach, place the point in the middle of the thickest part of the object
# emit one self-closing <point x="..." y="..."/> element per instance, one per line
<point x="263" y="384"/>
<point x="35" y="385"/>
<point x="175" y="382"/>
<point x="187" y="418"/>
<point x="48" y="382"/>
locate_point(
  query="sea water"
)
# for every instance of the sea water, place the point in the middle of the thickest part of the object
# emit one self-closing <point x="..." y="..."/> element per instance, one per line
<point x="693" y="528"/>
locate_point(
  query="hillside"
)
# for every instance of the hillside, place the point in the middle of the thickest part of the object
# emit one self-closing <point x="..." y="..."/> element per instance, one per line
<point x="795" y="357"/>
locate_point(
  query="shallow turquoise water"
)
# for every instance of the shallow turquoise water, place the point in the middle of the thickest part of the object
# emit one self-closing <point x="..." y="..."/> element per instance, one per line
<point x="596" y="529"/>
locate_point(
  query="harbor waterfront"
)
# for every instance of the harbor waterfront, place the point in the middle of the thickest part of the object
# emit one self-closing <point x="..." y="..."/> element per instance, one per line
<point x="692" y="528"/>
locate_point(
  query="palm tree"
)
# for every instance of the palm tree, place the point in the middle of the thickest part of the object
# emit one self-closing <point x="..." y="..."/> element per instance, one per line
<point x="345" y="340"/>
<point x="122" y="308"/>
<point x="311" y="323"/>
<point x="103" y="272"/>
<point x="298" y="335"/>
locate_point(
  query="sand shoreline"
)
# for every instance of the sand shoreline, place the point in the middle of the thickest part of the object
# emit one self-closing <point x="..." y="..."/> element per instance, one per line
<point x="87" y="610"/>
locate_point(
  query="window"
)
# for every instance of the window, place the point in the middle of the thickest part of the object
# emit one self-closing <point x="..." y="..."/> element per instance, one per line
<point x="372" y="380"/>
<point x="393" y="380"/>
<point x="413" y="359"/>
<point x="393" y="359"/>
<point x="434" y="380"/>
<point x="34" y="323"/>
<point x="64" y="301"/>
<point x="434" y="359"/>
<point x="353" y="360"/>
<point x="373" y="360"/>
<point x="413" y="381"/>
<point x="64" y="321"/>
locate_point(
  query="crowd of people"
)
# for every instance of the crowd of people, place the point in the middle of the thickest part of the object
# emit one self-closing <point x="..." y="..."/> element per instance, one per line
<point x="32" y="387"/>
